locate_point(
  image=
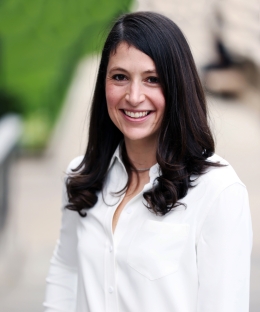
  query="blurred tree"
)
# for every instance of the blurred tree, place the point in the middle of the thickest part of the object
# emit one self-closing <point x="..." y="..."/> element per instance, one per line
<point x="41" y="42"/>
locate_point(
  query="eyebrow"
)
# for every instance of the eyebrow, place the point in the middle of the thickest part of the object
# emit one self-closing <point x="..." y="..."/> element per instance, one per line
<point x="149" y="71"/>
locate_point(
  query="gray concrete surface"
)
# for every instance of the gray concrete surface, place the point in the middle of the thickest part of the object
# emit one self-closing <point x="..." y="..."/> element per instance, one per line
<point x="34" y="219"/>
<point x="237" y="131"/>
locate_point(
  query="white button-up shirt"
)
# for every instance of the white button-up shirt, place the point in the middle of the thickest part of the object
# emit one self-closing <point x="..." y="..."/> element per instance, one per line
<point x="193" y="259"/>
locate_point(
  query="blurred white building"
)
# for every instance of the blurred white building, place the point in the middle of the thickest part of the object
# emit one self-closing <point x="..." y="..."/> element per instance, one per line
<point x="236" y="23"/>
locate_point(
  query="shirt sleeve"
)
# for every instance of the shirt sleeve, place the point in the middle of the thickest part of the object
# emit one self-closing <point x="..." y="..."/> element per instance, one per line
<point x="223" y="253"/>
<point x="61" y="290"/>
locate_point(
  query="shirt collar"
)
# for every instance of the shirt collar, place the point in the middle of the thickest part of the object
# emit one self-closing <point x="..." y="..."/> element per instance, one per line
<point x="154" y="171"/>
<point x="117" y="155"/>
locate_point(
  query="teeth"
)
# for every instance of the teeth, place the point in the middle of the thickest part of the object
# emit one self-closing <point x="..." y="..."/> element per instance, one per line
<point x="136" y="115"/>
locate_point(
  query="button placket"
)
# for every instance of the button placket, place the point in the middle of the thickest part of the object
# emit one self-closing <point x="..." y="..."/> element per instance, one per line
<point x="110" y="283"/>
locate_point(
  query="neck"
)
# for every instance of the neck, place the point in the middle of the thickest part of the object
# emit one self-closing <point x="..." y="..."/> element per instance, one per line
<point x="142" y="153"/>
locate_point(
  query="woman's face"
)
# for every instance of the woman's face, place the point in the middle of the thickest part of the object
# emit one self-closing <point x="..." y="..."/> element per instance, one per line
<point x="134" y="95"/>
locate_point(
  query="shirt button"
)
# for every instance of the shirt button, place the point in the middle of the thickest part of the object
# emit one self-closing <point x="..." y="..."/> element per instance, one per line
<point x="110" y="248"/>
<point x="111" y="289"/>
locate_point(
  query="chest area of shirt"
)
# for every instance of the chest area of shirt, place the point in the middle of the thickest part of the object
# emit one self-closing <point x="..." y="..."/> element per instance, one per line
<point x="142" y="242"/>
<point x="95" y="231"/>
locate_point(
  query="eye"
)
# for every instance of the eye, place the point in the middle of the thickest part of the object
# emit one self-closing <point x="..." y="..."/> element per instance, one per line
<point x="119" y="77"/>
<point x="153" y="79"/>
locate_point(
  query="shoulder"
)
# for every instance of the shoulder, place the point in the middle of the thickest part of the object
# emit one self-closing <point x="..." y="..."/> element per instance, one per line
<point x="220" y="178"/>
<point x="219" y="193"/>
<point x="74" y="164"/>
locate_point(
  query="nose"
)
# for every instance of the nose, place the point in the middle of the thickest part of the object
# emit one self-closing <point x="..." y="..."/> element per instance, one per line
<point x="134" y="94"/>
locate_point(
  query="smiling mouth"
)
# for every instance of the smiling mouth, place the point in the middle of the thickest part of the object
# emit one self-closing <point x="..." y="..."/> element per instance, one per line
<point x="136" y="114"/>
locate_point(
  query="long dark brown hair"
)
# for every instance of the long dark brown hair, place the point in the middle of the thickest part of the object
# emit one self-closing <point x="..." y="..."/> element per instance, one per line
<point x="185" y="140"/>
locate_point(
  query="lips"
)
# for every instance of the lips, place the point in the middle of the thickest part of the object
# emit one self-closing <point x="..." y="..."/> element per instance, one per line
<point x="136" y="115"/>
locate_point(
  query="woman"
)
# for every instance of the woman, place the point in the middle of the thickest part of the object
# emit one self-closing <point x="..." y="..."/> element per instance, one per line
<point x="153" y="220"/>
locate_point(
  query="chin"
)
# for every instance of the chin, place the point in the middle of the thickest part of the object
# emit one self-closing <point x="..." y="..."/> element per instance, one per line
<point x="138" y="137"/>
<point x="135" y="139"/>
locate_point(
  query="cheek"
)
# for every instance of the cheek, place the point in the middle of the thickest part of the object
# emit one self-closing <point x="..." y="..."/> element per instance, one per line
<point x="112" y="100"/>
<point x="160" y="102"/>
<point x="160" y="105"/>
<point x="111" y="96"/>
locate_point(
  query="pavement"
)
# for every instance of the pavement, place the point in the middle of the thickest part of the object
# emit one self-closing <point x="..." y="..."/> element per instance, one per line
<point x="34" y="219"/>
<point x="33" y="223"/>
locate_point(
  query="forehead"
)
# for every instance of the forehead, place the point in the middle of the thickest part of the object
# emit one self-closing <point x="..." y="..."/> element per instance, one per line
<point x="128" y="56"/>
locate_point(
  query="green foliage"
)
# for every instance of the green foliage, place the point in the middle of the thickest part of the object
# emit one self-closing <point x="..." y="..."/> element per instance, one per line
<point x="41" y="41"/>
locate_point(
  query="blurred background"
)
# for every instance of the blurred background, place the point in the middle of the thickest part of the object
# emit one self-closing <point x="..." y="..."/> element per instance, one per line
<point x="49" y="53"/>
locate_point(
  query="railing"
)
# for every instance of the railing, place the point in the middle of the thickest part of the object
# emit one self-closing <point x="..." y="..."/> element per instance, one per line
<point x="10" y="132"/>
